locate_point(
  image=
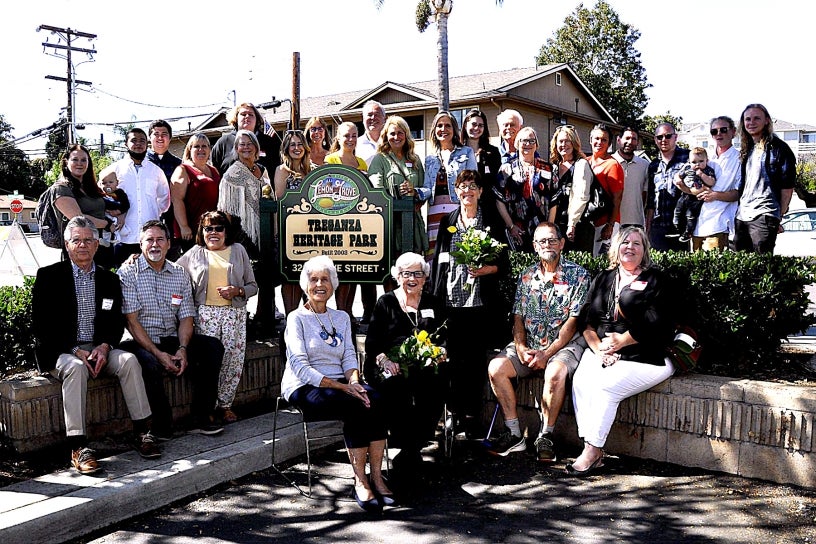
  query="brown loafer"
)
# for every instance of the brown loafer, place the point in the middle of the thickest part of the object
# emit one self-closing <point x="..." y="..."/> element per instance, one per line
<point x="147" y="448"/>
<point x="84" y="461"/>
<point x="229" y="416"/>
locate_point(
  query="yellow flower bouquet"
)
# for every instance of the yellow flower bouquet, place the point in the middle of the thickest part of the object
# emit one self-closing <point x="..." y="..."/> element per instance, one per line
<point x="420" y="350"/>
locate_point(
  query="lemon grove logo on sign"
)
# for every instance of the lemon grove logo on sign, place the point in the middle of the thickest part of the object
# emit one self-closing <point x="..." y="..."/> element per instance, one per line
<point x="334" y="195"/>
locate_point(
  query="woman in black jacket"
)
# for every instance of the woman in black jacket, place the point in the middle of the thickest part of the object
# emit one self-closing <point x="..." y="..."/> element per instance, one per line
<point x="477" y="311"/>
<point x="629" y="326"/>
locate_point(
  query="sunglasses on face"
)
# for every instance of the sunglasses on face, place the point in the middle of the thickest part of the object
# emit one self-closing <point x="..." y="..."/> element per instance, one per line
<point x="661" y="137"/>
<point x="721" y="130"/>
<point x="214" y="228"/>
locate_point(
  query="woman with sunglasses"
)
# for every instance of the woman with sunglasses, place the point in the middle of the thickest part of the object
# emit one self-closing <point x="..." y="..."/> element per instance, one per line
<point x="573" y="180"/>
<point x="524" y="187"/>
<point x="295" y="166"/>
<point x="477" y="309"/>
<point x="412" y="402"/>
<point x="476" y="135"/>
<point x="193" y="188"/>
<point x="318" y="134"/>
<point x="222" y="280"/>
<point x="448" y="159"/>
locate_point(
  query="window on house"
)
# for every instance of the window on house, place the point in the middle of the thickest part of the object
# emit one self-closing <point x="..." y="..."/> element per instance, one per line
<point x="809" y="138"/>
<point x="4" y="216"/>
<point x="558" y="79"/>
<point x="416" y="124"/>
<point x="32" y="216"/>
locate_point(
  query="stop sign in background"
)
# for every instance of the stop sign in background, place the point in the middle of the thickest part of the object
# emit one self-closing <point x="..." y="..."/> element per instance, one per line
<point x="16" y="206"/>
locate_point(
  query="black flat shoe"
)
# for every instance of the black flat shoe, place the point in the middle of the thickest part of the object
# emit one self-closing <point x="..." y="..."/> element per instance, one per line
<point x="384" y="500"/>
<point x="372" y="506"/>
<point x="572" y="471"/>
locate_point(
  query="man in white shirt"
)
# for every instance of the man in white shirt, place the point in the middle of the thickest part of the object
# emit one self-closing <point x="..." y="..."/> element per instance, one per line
<point x="635" y="184"/>
<point x="373" y="120"/>
<point x="146" y="187"/>
<point x="510" y="122"/>
<point x="716" y="219"/>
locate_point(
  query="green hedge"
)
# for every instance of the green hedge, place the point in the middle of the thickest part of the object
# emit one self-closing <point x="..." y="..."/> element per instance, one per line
<point x="16" y="334"/>
<point x="742" y="305"/>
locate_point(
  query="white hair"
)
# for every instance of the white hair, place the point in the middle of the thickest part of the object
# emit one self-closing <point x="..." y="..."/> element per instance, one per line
<point x="407" y="260"/>
<point x="510" y="114"/>
<point x="321" y="263"/>
<point x="79" y="222"/>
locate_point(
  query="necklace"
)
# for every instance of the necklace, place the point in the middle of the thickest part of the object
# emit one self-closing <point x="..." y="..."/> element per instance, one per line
<point x="402" y="298"/>
<point x="332" y="338"/>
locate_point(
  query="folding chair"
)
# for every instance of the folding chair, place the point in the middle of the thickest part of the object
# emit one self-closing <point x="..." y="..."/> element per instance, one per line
<point x="337" y="433"/>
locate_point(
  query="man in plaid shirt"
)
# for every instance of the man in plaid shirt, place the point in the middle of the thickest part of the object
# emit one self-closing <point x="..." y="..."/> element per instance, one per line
<point x="159" y="311"/>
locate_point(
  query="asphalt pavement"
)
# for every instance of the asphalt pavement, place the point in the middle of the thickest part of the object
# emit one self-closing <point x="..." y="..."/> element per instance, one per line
<point x="476" y="498"/>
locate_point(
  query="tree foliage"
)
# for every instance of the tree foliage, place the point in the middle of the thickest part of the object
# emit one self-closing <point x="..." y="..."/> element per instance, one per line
<point x="16" y="172"/>
<point x="601" y="50"/>
<point x="805" y="185"/>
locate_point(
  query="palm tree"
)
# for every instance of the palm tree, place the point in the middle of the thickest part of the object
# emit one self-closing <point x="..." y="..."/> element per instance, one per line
<point x="439" y="10"/>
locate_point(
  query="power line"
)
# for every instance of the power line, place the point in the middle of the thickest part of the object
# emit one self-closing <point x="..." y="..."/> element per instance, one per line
<point x="95" y="89"/>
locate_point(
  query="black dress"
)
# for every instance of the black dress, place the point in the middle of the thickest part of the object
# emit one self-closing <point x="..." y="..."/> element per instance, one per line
<point x="413" y="404"/>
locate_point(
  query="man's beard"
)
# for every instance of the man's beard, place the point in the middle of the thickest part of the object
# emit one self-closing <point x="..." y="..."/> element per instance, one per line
<point x="154" y="256"/>
<point x="549" y="256"/>
<point x="137" y="156"/>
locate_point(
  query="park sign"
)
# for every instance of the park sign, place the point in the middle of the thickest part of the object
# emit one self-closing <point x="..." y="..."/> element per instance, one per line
<point x="336" y="213"/>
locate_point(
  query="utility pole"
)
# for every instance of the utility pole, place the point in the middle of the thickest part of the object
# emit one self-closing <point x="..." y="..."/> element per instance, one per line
<point x="70" y="77"/>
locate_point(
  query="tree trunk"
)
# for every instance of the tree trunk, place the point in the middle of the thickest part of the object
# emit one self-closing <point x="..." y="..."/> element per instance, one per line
<point x="442" y="59"/>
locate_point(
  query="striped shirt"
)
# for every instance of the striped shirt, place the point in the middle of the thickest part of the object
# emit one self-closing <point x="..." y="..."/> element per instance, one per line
<point x="161" y="299"/>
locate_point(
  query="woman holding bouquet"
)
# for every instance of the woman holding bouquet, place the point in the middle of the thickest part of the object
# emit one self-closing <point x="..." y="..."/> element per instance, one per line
<point x="321" y="378"/>
<point x="477" y="312"/>
<point x="412" y="396"/>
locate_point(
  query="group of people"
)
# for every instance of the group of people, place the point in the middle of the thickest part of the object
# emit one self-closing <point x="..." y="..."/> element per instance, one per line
<point x="187" y="244"/>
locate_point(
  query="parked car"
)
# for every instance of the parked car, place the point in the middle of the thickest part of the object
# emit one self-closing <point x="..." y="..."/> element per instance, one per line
<point x="799" y="237"/>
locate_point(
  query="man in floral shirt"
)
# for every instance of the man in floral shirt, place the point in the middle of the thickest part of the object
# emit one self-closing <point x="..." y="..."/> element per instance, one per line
<point x="549" y="297"/>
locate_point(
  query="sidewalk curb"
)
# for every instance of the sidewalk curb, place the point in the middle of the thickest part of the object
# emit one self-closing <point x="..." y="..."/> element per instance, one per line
<point x="66" y="505"/>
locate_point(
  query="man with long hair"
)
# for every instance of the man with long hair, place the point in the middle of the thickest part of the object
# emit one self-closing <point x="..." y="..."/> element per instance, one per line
<point x="768" y="175"/>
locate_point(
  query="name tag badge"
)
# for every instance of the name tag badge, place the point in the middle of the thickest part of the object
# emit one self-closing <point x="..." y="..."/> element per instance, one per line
<point x="409" y="164"/>
<point x="262" y="154"/>
<point x="107" y="303"/>
<point x="427" y="313"/>
<point x="637" y="285"/>
<point x="175" y="300"/>
<point x="546" y="174"/>
<point x="444" y="257"/>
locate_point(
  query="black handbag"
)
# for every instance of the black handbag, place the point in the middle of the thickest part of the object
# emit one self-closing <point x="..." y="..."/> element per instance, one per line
<point x="600" y="202"/>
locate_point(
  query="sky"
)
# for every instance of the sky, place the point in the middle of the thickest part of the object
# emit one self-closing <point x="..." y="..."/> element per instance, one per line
<point x="703" y="58"/>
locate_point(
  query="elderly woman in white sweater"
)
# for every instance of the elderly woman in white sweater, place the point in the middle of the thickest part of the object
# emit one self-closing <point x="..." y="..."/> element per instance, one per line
<point x="322" y="379"/>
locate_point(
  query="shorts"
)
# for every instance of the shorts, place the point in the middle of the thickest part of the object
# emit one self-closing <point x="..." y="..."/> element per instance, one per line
<point x="569" y="356"/>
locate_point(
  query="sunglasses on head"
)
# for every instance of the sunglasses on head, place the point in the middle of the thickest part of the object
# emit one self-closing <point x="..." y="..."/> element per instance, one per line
<point x="559" y="127"/>
<point x="660" y="137"/>
<point x="721" y="130"/>
<point x="214" y="228"/>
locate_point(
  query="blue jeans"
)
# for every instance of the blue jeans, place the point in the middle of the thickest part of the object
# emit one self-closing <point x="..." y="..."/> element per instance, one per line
<point x="361" y="425"/>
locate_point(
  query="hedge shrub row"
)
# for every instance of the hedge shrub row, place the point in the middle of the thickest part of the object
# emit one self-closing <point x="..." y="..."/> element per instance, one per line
<point x="16" y="334"/>
<point x="742" y="305"/>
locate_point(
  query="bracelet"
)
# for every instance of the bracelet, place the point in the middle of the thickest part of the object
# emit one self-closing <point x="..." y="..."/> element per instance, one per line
<point x="182" y="347"/>
<point x="354" y="383"/>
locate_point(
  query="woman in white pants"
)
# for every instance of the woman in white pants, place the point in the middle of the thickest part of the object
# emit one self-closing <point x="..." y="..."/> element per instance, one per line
<point x="629" y="325"/>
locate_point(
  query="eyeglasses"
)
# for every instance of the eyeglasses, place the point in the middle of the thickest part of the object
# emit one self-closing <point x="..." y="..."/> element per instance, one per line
<point x="467" y="187"/>
<point x="418" y="274"/>
<point x="529" y="141"/>
<point x="721" y="130"/>
<point x="78" y="241"/>
<point x="547" y="242"/>
<point x="661" y="137"/>
<point x="214" y="228"/>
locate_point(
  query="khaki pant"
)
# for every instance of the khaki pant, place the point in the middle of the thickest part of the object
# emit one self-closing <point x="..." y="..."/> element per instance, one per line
<point x="708" y="243"/>
<point x="73" y="374"/>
